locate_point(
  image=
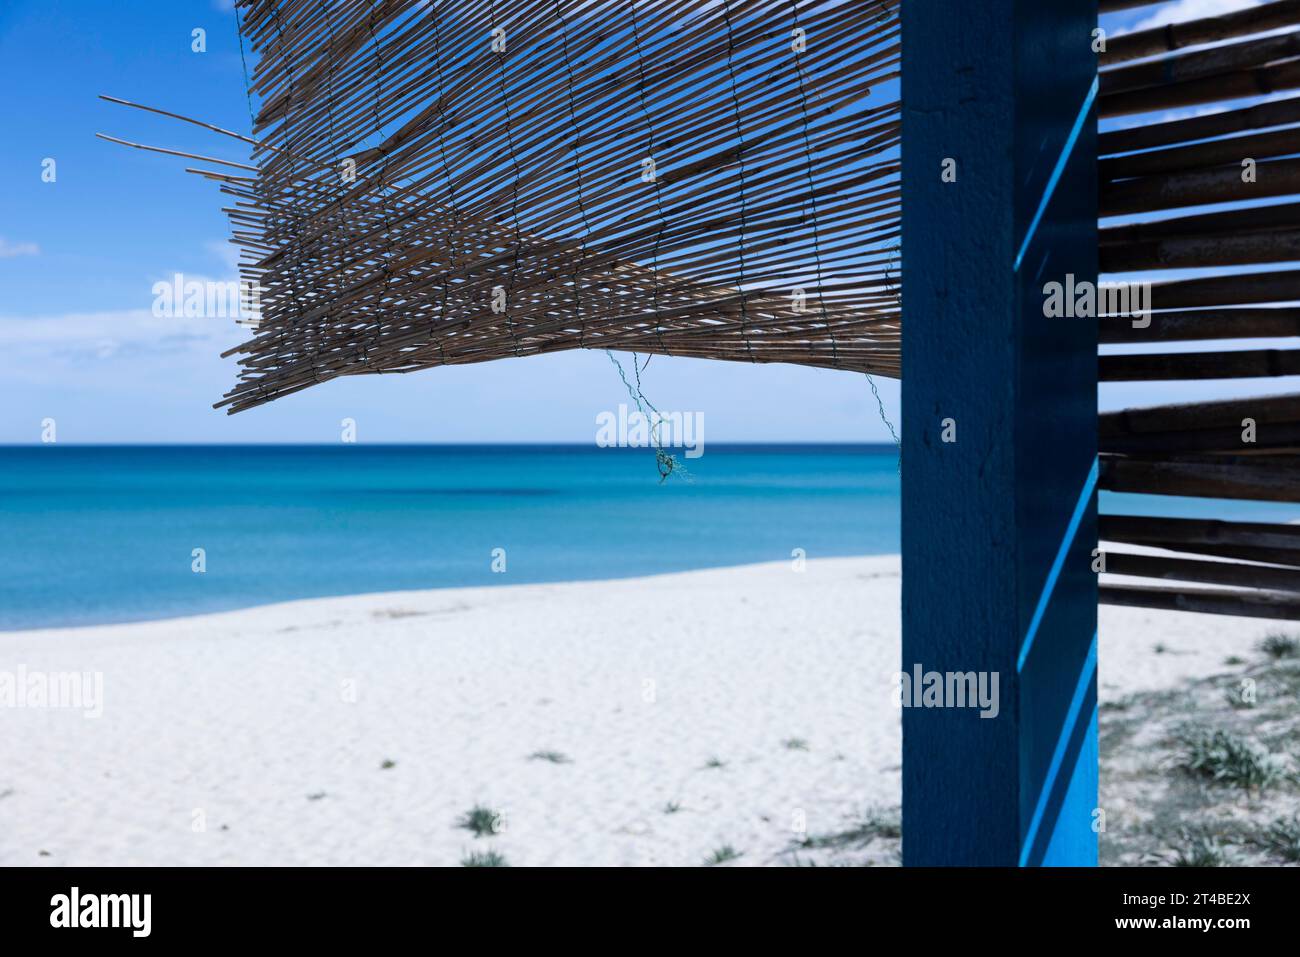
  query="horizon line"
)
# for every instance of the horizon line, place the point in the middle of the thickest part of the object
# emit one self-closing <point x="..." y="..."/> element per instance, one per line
<point x="795" y="443"/>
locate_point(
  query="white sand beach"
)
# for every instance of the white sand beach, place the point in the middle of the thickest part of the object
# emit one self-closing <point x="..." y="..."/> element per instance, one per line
<point x="261" y="736"/>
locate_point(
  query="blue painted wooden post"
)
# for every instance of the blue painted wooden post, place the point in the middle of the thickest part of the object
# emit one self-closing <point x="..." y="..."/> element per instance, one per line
<point x="1000" y="523"/>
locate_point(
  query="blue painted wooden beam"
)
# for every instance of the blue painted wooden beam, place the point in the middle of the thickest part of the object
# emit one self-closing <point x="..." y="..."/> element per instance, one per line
<point x="1000" y="430"/>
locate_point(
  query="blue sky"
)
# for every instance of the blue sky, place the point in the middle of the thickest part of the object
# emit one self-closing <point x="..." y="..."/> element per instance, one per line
<point x="79" y="257"/>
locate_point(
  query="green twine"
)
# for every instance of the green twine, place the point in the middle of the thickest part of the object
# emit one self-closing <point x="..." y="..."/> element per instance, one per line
<point x="880" y="404"/>
<point x="895" y="251"/>
<point x="666" y="463"/>
<point x="248" y="93"/>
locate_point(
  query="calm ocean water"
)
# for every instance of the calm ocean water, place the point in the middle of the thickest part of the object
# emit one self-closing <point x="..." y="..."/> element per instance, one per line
<point x="100" y="534"/>
<point x="103" y="534"/>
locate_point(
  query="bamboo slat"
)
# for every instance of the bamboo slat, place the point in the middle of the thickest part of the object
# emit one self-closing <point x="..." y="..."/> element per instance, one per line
<point x="1170" y="366"/>
<point x="1200" y="570"/>
<point x="1243" y="602"/>
<point x="1265" y="477"/>
<point x="1200" y="64"/>
<point x="1219" y="184"/>
<point x="1201" y="535"/>
<point x="1191" y="416"/>
<point x="1227" y="151"/>
<point x="1251" y="323"/>
<point x="1277" y="217"/>
<point x="1197" y="251"/>
<point x="1270" y="437"/>
<point x="1175" y="36"/>
<point x="1156" y="367"/>
<point x="1150" y="135"/>
<point x="1256" y="81"/>
<point x="1234" y="290"/>
<point x="1245" y="541"/>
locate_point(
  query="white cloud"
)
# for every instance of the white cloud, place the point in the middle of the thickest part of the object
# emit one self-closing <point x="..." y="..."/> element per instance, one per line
<point x="34" y="341"/>
<point x="1184" y="10"/>
<point x="9" y="250"/>
<point x="102" y="335"/>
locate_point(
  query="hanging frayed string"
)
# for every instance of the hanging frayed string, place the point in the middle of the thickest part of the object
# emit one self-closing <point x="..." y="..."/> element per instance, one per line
<point x="880" y="404"/>
<point x="248" y="84"/>
<point x="898" y="300"/>
<point x="665" y="462"/>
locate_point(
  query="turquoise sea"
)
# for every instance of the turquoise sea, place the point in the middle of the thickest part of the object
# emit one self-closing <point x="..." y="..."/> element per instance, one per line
<point x="105" y="534"/>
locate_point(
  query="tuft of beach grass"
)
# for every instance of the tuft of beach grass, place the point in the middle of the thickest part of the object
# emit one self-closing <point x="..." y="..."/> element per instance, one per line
<point x="722" y="855"/>
<point x="1278" y="646"/>
<point x="1202" y="850"/>
<point x="483" y="859"/>
<point x="1227" y="758"/>
<point x="1282" y="837"/>
<point x="481" y="821"/>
